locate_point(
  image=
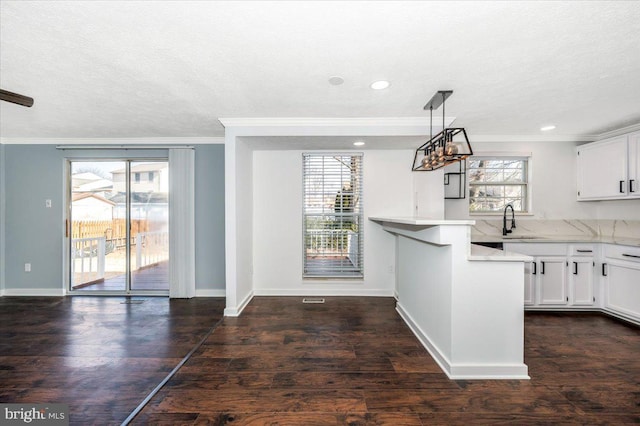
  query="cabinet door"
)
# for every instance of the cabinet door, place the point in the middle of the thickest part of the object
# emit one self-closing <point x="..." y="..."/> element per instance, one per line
<point x="622" y="288"/>
<point x="602" y="169"/>
<point x="552" y="273"/>
<point x="529" y="280"/>
<point x="581" y="281"/>
<point x="633" y="187"/>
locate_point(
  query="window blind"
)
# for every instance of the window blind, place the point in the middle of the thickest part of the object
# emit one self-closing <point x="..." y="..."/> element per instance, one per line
<point x="332" y="215"/>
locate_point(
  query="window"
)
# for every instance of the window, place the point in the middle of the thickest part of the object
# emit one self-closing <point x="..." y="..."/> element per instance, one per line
<point x="332" y="215"/>
<point x="495" y="182"/>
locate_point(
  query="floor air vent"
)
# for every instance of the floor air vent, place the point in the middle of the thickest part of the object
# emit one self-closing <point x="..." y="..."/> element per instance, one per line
<point x="313" y="300"/>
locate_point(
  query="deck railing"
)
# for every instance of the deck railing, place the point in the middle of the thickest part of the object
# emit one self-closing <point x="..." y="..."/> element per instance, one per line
<point x="89" y="255"/>
<point x="151" y="248"/>
<point x="328" y="242"/>
<point x="88" y="259"/>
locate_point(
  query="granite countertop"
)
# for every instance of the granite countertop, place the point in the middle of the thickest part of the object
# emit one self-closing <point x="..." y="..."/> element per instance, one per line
<point x="419" y="221"/>
<point x="634" y="242"/>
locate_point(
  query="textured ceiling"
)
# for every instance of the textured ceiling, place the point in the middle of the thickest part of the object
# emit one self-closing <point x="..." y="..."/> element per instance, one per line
<point x="170" y="69"/>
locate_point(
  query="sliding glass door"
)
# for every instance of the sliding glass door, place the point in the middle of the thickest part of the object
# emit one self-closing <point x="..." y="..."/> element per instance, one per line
<point x="118" y="226"/>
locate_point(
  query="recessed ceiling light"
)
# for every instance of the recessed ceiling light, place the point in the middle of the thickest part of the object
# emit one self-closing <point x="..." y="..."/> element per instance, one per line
<point x="359" y="143"/>
<point x="380" y="84"/>
<point x="547" y="128"/>
<point x="336" y="80"/>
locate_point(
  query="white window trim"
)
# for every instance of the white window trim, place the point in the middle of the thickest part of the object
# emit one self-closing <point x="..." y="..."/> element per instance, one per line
<point x="507" y="154"/>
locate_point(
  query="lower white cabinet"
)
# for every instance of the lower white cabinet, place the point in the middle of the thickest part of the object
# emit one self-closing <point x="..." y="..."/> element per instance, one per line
<point x="561" y="275"/>
<point x="582" y="276"/>
<point x="622" y="283"/>
<point x="529" y="284"/>
<point x="581" y="281"/>
<point x="552" y="280"/>
<point x="622" y="289"/>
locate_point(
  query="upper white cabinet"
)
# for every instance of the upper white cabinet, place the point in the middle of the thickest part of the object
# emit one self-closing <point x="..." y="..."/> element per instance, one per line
<point x="634" y="164"/>
<point x="608" y="169"/>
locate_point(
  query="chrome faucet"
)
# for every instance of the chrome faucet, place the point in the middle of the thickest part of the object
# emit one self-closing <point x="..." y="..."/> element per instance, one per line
<point x="506" y="231"/>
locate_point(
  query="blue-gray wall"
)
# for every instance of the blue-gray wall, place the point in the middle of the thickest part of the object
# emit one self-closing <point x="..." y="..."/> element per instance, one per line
<point x="34" y="233"/>
<point x="209" y="192"/>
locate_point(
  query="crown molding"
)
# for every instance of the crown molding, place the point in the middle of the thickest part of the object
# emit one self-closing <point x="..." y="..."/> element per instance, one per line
<point x="328" y="122"/>
<point x="214" y="140"/>
<point x="530" y="138"/>
<point x="628" y="129"/>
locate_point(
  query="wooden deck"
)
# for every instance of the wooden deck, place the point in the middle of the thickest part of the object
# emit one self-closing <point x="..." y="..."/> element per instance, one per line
<point x="154" y="277"/>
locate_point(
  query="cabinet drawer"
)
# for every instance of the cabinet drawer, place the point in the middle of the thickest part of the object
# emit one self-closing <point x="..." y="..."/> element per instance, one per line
<point x="582" y="250"/>
<point x="628" y="253"/>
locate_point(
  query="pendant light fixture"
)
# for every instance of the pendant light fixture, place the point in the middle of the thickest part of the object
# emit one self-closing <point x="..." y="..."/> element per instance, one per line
<point x="449" y="146"/>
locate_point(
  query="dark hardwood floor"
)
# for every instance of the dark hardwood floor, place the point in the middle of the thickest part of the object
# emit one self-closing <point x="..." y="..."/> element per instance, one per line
<point x="96" y="354"/>
<point x="348" y="361"/>
<point x="353" y="361"/>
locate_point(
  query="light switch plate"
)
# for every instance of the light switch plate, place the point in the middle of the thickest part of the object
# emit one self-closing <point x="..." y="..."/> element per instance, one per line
<point x="47" y="203"/>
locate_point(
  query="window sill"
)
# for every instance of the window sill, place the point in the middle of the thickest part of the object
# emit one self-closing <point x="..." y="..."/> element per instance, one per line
<point x="500" y="214"/>
<point x="336" y="279"/>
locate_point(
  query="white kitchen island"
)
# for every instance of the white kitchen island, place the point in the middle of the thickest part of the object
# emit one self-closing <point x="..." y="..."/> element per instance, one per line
<point x="465" y="303"/>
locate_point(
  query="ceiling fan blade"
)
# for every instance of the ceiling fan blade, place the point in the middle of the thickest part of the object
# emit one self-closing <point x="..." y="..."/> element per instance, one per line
<point x="16" y="98"/>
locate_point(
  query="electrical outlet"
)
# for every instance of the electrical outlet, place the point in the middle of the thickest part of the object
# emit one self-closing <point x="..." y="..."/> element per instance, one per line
<point x="47" y="203"/>
<point x="391" y="269"/>
<point x="27" y="267"/>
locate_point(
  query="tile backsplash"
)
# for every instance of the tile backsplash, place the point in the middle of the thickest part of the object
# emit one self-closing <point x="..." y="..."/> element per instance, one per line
<point x="588" y="228"/>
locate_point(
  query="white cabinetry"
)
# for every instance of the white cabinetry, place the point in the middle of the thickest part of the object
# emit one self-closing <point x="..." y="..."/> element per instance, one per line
<point x="580" y="274"/>
<point x="545" y="277"/>
<point x="621" y="270"/>
<point x="552" y="280"/>
<point x="529" y="284"/>
<point x="634" y="165"/>
<point x="608" y="169"/>
<point x="561" y="275"/>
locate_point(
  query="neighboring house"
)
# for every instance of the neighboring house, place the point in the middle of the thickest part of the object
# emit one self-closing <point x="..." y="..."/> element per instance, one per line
<point x="79" y="179"/>
<point x="101" y="186"/>
<point x="145" y="178"/>
<point x="88" y="206"/>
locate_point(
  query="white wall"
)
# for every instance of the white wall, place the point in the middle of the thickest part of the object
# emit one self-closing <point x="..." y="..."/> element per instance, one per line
<point x="553" y="185"/>
<point x="277" y="223"/>
<point x="244" y="217"/>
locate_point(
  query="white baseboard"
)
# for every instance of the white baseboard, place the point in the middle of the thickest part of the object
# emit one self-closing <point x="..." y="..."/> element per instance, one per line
<point x="237" y="310"/>
<point x="211" y="293"/>
<point x="323" y="292"/>
<point x="463" y="371"/>
<point x="604" y="311"/>
<point x="57" y="292"/>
